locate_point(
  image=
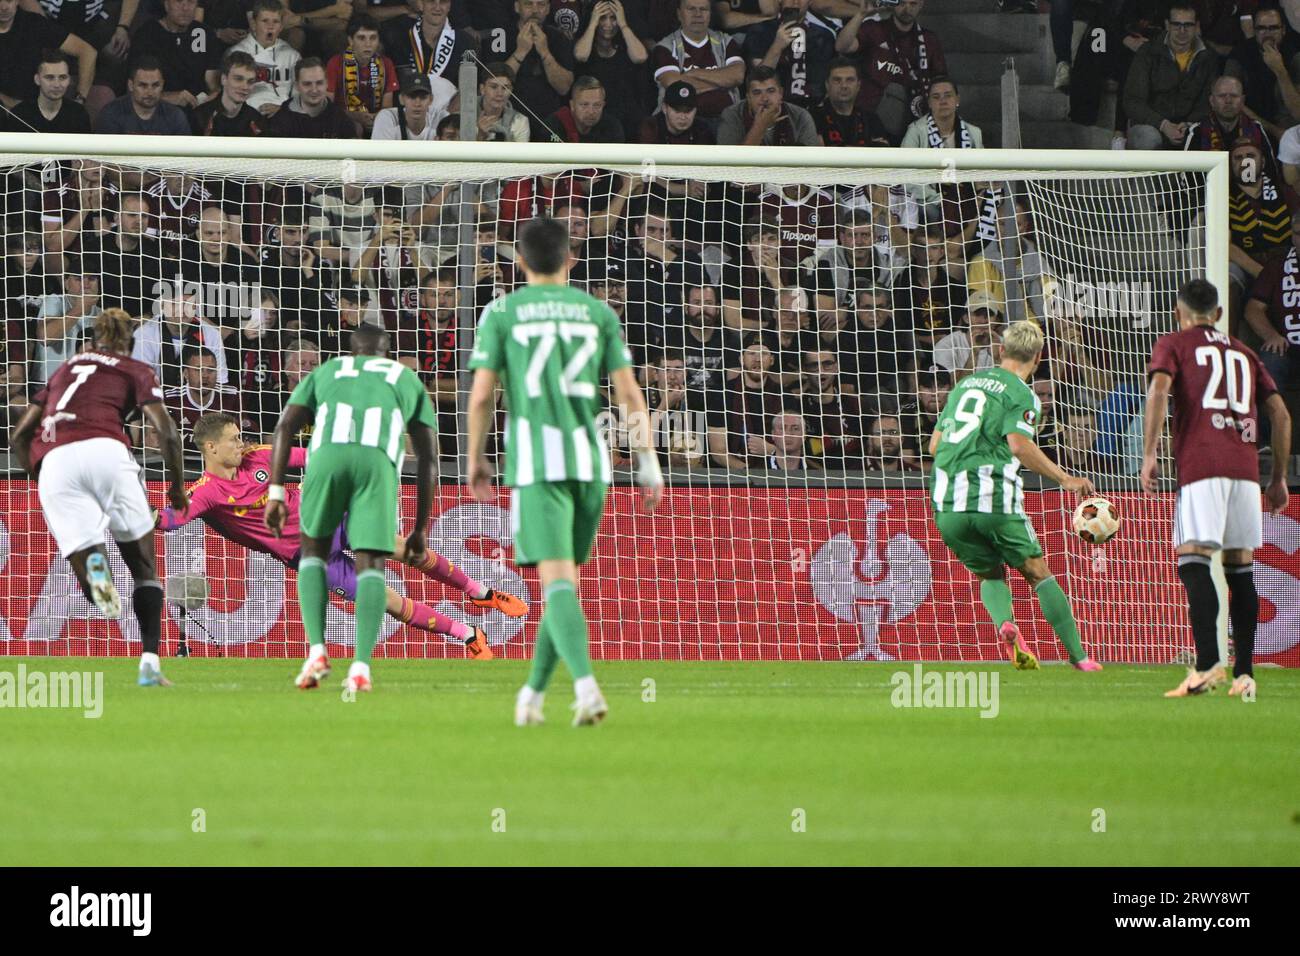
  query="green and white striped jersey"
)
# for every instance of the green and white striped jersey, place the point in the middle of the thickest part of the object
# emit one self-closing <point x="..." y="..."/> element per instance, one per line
<point x="551" y="345"/>
<point x="974" y="470"/>
<point x="364" y="400"/>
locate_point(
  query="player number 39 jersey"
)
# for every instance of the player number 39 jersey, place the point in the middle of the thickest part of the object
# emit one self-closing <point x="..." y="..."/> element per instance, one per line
<point x="974" y="469"/>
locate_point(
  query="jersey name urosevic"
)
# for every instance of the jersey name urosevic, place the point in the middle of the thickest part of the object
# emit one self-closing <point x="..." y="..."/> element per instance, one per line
<point x="92" y="395"/>
<point x="1218" y="387"/>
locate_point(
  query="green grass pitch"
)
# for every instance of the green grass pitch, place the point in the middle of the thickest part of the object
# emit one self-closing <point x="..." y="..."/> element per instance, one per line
<point x="429" y="770"/>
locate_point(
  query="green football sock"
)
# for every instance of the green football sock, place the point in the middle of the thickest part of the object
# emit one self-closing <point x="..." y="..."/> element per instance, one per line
<point x="312" y="598"/>
<point x="566" y="626"/>
<point x="1056" y="608"/>
<point x="545" y="657"/>
<point x="996" y="596"/>
<point x="371" y="598"/>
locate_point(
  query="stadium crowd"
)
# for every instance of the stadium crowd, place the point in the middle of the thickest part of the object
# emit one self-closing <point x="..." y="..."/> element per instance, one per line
<point x="788" y="327"/>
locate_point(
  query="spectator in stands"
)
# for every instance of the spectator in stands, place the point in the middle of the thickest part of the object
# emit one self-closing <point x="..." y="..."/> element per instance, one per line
<point x="390" y="264"/>
<point x="831" y="411"/>
<point x="1259" y="217"/>
<point x="430" y="348"/>
<point x="840" y="120"/>
<point x="24" y="36"/>
<point x="64" y="318"/>
<point x="798" y="45"/>
<point x="930" y="298"/>
<point x="540" y="57"/>
<point x="51" y="110"/>
<point x="941" y="128"/>
<point x="1077" y="450"/>
<point x="131" y="258"/>
<point x="610" y="50"/>
<point x="753" y="397"/>
<point x="75" y="206"/>
<point x="448" y="129"/>
<point x="1168" y="86"/>
<point x="751" y="281"/>
<point x="318" y="27"/>
<point x="274" y="57"/>
<point x="142" y="111"/>
<point x="215" y="265"/>
<point x="706" y="59"/>
<point x="710" y="351"/>
<point x="293" y="271"/>
<point x="410" y="118"/>
<point x="1268" y="65"/>
<point x="309" y="113"/>
<point x="789" y="335"/>
<point x="434" y="47"/>
<point x="350" y="209"/>
<point x="253" y="349"/>
<point x="657" y="272"/>
<point x="187" y="51"/>
<point x="873" y="353"/>
<point x="227" y="18"/>
<point x="362" y="78"/>
<point x="110" y="35"/>
<point x="1272" y="316"/>
<point x="976" y="346"/>
<point x="13" y="377"/>
<point x="174" y="326"/>
<point x="584" y="120"/>
<point x="199" y="394"/>
<point x="1229" y="122"/>
<point x="924" y="405"/>
<point x="673" y="417"/>
<point x="886" y="450"/>
<point x="677" y="122"/>
<point x="763" y="118"/>
<point x="788" y="436"/>
<point x="836" y="272"/>
<point x="354" y="302"/>
<point x="24" y="283"/>
<point x="498" y="122"/>
<point x="300" y="357"/>
<point x="899" y="59"/>
<point x="229" y="114"/>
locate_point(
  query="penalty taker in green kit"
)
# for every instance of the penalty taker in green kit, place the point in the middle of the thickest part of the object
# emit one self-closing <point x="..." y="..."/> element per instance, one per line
<point x="549" y="345"/>
<point x="985" y="434"/>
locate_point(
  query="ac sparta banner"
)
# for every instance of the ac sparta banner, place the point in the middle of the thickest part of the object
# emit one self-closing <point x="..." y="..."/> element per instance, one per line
<point x="716" y="574"/>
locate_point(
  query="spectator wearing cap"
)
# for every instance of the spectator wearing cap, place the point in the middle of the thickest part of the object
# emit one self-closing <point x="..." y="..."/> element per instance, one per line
<point x="840" y="120"/>
<point x="410" y="118"/>
<point x="229" y="114"/>
<point x="708" y="60"/>
<point x="274" y="57"/>
<point x="309" y="113"/>
<point x="498" y="122"/>
<point x="584" y="119"/>
<point x="1229" y="122"/>
<point x="976" y="347"/>
<point x="610" y="50"/>
<point x="362" y="78"/>
<point x="899" y="60"/>
<point x="1168" y="85"/>
<point x="677" y="123"/>
<point x="1267" y="65"/>
<point x="763" y="118"/>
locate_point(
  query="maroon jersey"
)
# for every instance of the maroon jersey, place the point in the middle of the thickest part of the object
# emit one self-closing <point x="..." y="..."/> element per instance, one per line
<point x="807" y="223"/>
<point x="1278" y="287"/>
<point x="890" y="55"/>
<point x="177" y="215"/>
<point x="675" y="53"/>
<point x="1218" y="387"/>
<point x="186" y="407"/>
<point x="92" y="395"/>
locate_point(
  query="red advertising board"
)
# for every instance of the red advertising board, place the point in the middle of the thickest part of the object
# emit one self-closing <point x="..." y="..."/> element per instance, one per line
<point x="724" y="573"/>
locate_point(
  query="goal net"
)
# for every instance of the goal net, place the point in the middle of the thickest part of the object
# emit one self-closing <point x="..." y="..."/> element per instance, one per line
<point x="797" y="318"/>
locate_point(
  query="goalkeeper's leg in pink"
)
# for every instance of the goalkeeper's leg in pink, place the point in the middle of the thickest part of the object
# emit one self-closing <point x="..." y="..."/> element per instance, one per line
<point x="443" y="571"/>
<point x="426" y="618"/>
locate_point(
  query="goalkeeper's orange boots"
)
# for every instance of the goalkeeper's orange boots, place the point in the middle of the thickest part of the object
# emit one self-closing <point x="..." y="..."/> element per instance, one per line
<point x="507" y="604"/>
<point x="478" y="646"/>
<point x="314" y="670"/>
<point x="1016" y="650"/>
<point x="1199" y="682"/>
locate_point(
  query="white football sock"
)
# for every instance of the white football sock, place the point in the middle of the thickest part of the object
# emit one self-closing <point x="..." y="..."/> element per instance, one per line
<point x="315" y="651"/>
<point x="585" y="687"/>
<point x="151" y="660"/>
<point x="359" y="669"/>
<point x="529" y="697"/>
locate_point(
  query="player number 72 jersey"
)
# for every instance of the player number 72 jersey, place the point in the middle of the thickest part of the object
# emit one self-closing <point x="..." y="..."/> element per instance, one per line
<point x="974" y="469"/>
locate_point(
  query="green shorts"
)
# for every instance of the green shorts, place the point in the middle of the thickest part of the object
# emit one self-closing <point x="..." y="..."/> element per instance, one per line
<point x="555" y="520"/>
<point x="985" y="542"/>
<point x="354" y="481"/>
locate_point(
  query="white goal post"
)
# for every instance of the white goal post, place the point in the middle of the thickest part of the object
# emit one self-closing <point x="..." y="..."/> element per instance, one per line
<point x="797" y="523"/>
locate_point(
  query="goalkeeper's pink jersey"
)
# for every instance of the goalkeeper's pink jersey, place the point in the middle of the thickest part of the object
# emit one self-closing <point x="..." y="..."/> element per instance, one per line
<point x="234" y="507"/>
